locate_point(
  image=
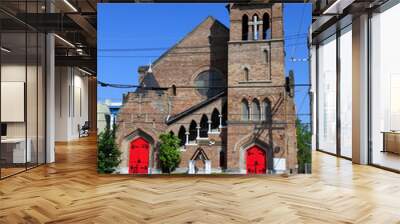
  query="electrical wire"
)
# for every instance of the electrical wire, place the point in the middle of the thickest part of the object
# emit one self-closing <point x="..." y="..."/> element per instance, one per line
<point x="104" y="84"/>
<point x="180" y="48"/>
<point x="289" y="37"/>
<point x="299" y="30"/>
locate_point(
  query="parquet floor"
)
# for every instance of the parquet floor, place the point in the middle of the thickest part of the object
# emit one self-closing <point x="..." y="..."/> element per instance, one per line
<point x="70" y="191"/>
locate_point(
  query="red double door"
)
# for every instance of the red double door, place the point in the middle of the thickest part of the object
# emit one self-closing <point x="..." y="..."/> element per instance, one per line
<point x="139" y="156"/>
<point x="256" y="160"/>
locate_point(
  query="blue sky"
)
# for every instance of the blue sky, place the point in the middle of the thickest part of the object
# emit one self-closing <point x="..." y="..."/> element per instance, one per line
<point x="122" y="28"/>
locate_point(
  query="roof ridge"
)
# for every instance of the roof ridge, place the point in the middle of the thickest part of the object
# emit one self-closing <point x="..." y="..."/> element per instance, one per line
<point x="195" y="107"/>
<point x="186" y="36"/>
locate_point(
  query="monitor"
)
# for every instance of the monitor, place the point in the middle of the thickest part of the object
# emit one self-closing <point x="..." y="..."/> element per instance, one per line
<point x="3" y="129"/>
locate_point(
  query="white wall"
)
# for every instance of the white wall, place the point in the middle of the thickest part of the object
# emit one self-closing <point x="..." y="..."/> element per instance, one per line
<point x="17" y="73"/>
<point x="33" y="126"/>
<point x="71" y="102"/>
<point x="14" y="73"/>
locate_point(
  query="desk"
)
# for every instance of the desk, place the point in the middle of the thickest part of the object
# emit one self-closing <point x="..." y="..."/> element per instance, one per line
<point x="15" y="148"/>
<point x="391" y="142"/>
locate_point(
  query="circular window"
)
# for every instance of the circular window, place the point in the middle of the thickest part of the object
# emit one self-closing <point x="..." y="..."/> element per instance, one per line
<point x="209" y="83"/>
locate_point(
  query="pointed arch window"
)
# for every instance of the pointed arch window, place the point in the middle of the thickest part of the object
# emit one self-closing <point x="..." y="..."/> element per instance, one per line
<point x="266" y="27"/>
<point x="246" y="74"/>
<point x="182" y="135"/>
<point x="255" y="24"/>
<point x="173" y="90"/>
<point x="215" y="119"/>
<point x="267" y="111"/>
<point x="245" y="110"/>
<point x="245" y="27"/>
<point x="266" y="56"/>
<point x="204" y="126"/>
<point x="256" y="114"/>
<point x="193" y="131"/>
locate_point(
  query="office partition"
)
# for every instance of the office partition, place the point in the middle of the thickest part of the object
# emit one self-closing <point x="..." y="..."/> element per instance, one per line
<point x="22" y="78"/>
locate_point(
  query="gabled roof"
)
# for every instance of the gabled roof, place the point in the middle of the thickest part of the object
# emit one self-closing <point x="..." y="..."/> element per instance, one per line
<point x="184" y="38"/>
<point x="192" y="109"/>
<point x="199" y="154"/>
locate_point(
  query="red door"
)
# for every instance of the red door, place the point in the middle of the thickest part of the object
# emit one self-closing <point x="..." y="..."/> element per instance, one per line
<point x="139" y="156"/>
<point x="256" y="160"/>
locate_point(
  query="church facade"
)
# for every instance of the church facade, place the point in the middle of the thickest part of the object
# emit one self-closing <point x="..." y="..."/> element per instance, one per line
<point x="223" y="92"/>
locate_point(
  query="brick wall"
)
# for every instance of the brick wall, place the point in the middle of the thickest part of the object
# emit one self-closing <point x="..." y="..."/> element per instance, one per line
<point x="265" y="79"/>
<point x="208" y="47"/>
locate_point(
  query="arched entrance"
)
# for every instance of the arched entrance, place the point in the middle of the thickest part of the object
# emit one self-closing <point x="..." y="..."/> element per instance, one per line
<point x="139" y="156"/>
<point x="199" y="163"/>
<point x="256" y="160"/>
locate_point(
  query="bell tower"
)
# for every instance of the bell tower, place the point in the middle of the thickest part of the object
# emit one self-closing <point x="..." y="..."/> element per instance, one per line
<point x="256" y="43"/>
<point x="260" y="112"/>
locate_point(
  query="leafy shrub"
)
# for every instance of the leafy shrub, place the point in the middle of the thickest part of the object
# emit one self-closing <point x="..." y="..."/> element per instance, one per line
<point x="108" y="154"/>
<point x="303" y="145"/>
<point x="169" y="154"/>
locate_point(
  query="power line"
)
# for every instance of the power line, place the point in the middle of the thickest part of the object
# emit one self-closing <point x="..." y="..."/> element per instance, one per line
<point x="167" y="48"/>
<point x="166" y="113"/>
<point x="299" y="30"/>
<point x="246" y="123"/>
<point x="175" y="52"/>
<point x="169" y="37"/>
<point x="103" y="84"/>
<point x="287" y="37"/>
<point x="303" y="101"/>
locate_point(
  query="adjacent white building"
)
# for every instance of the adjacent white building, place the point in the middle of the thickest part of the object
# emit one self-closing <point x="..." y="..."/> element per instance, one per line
<point x="356" y="81"/>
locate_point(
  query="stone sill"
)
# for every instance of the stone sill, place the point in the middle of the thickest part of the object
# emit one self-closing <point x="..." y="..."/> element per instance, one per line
<point x="201" y="139"/>
<point x="248" y="122"/>
<point x="214" y="133"/>
<point x="255" y="41"/>
<point x="255" y="82"/>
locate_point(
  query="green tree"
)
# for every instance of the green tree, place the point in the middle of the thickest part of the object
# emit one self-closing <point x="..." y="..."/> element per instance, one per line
<point x="303" y="145"/>
<point x="108" y="155"/>
<point x="169" y="154"/>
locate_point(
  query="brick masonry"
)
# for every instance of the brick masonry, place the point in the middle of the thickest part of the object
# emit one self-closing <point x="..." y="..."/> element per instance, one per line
<point x="212" y="46"/>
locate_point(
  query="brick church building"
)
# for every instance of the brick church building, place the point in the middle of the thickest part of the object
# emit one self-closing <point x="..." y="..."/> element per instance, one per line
<point x="223" y="93"/>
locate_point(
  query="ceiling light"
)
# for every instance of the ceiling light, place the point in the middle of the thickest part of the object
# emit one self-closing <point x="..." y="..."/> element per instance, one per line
<point x="5" y="50"/>
<point x="64" y="40"/>
<point x="70" y="5"/>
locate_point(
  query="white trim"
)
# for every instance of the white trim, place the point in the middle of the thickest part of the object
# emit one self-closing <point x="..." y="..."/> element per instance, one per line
<point x="70" y="5"/>
<point x="5" y="50"/>
<point x="213" y="132"/>
<point x="64" y="40"/>
<point x="202" y="138"/>
<point x="337" y="7"/>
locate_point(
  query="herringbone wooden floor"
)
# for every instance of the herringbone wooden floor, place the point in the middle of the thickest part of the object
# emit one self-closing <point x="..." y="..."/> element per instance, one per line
<point x="70" y="191"/>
